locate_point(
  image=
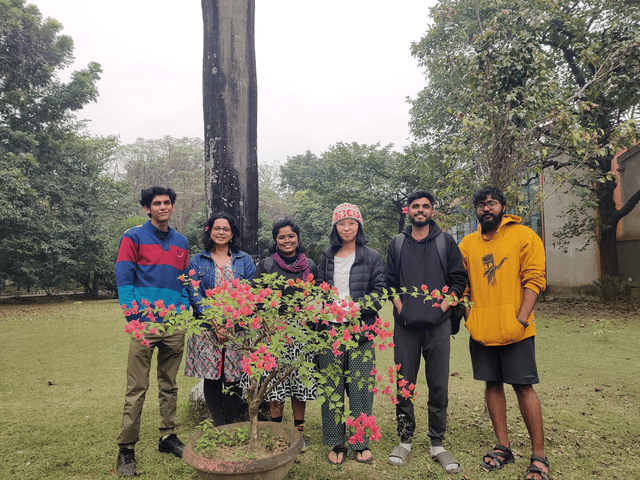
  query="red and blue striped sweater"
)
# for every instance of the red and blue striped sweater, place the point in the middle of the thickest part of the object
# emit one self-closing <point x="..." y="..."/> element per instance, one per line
<point x="147" y="271"/>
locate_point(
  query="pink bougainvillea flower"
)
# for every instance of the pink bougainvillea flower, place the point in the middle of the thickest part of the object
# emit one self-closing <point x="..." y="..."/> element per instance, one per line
<point x="424" y="288"/>
<point x="192" y="272"/>
<point x="436" y="305"/>
<point x="445" y="289"/>
<point x="405" y="210"/>
<point x="145" y="343"/>
<point x="402" y="383"/>
<point x="195" y="283"/>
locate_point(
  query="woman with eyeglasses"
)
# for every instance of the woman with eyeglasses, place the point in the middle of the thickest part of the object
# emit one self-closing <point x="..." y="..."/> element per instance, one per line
<point x="355" y="271"/>
<point x="207" y="356"/>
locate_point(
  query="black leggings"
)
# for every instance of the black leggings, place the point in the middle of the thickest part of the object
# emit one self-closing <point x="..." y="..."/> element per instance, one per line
<point x="223" y="406"/>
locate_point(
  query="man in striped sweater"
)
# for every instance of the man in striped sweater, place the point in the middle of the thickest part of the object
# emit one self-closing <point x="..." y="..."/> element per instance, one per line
<point x="151" y="257"/>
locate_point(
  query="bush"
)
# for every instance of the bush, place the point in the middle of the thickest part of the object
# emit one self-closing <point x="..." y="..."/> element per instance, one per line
<point x="612" y="289"/>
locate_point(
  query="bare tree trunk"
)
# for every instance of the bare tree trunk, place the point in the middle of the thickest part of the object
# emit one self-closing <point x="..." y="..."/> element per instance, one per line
<point x="230" y="101"/>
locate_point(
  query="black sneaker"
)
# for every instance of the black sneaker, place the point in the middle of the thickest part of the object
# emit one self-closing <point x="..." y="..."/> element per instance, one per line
<point x="126" y="462"/>
<point x="171" y="444"/>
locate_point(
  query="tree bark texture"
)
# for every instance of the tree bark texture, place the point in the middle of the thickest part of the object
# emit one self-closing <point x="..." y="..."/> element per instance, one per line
<point x="230" y="101"/>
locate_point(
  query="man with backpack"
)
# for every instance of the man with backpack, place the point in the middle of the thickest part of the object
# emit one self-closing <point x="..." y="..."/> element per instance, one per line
<point x="423" y="255"/>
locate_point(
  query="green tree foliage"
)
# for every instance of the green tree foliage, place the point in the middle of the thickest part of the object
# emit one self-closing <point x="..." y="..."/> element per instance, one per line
<point x="170" y="162"/>
<point x="516" y="87"/>
<point x="57" y="206"/>
<point x="375" y="178"/>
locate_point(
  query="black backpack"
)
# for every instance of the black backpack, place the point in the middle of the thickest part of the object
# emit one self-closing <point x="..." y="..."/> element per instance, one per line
<point x="457" y="312"/>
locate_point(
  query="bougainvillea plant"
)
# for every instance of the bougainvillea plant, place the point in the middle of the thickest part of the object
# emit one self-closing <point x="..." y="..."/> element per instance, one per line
<point x="259" y="322"/>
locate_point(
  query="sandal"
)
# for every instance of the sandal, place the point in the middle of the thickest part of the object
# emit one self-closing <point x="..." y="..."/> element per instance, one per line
<point x="338" y="450"/>
<point x="400" y="453"/>
<point x="533" y="468"/>
<point x="503" y="456"/>
<point x="448" y="462"/>
<point x="360" y="460"/>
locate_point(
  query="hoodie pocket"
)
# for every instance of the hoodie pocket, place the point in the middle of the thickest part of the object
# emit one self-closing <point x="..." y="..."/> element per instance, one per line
<point x="417" y="311"/>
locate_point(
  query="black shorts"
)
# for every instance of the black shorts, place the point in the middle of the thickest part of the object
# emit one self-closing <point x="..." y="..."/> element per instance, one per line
<point x="514" y="364"/>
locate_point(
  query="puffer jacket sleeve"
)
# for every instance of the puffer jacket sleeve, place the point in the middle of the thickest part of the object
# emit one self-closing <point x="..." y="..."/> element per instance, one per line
<point x="377" y="282"/>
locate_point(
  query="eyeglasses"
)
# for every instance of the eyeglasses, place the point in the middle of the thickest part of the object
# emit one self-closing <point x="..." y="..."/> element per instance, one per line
<point x="221" y="229"/>
<point x="491" y="204"/>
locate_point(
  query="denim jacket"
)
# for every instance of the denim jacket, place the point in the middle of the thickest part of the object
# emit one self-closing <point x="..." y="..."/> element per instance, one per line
<point x="204" y="270"/>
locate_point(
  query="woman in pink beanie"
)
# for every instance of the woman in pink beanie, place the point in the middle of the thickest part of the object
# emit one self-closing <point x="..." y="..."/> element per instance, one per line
<point x="355" y="271"/>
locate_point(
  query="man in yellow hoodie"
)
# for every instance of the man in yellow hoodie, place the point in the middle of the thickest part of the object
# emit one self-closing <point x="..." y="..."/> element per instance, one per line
<point x="506" y="266"/>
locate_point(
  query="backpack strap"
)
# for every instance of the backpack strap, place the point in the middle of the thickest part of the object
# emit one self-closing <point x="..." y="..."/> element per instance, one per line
<point x="268" y="264"/>
<point x="442" y="254"/>
<point x="397" y="241"/>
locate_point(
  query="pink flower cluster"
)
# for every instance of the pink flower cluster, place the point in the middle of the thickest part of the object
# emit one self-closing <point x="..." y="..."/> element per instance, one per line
<point x="260" y="360"/>
<point x="364" y="424"/>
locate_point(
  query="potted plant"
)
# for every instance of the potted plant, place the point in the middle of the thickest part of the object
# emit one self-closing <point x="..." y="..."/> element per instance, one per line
<point x="256" y="310"/>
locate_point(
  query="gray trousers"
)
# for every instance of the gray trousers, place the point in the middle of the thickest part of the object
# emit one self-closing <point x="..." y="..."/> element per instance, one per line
<point x="433" y="343"/>
<point x="170" y="348"/>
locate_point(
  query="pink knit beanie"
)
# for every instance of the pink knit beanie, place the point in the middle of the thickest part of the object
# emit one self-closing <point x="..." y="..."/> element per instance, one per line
<point x="346" y="210"/>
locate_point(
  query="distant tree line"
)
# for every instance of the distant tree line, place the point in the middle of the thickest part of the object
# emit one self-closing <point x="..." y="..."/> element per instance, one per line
<point x="513" y="88"/>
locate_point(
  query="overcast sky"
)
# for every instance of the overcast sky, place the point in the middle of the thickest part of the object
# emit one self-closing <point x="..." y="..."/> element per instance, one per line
<point x="328" y="72"/>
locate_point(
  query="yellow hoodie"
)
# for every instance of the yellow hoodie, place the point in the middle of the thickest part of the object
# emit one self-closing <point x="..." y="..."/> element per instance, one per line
<point x="499" y="270"/>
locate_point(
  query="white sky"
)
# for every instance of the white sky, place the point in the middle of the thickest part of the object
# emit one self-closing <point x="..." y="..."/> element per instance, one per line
<point x="328" y="72"/>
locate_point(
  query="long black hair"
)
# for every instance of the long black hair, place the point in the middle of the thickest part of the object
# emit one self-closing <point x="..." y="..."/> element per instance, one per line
<point x="336" y="242"/>
<point x="234" y="243"/>
<point x="282" y="223"/>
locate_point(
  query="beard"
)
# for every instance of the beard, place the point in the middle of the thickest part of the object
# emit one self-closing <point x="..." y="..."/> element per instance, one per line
<point x="489" y="221"/>
<point x="418" y="223"/>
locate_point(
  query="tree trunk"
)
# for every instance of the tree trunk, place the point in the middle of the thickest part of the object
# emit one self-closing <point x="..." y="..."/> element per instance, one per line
<point x="608" y="220"/>
<point x="230" y="101"/>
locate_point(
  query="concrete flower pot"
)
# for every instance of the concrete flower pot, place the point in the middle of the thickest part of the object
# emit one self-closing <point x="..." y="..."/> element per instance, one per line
<point x="275" y="467"/>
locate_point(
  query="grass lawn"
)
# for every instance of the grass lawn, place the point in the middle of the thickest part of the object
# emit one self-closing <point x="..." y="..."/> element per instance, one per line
<point x="63" y="382"/>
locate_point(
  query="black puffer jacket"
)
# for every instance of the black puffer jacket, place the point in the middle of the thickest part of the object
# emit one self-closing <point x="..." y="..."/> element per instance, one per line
<point x="367" y="276"/>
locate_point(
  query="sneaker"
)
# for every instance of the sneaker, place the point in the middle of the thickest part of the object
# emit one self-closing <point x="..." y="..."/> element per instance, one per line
<point x="126" y="462"/>
<point x="171" y="444"/>
<point x="304" y="443"/>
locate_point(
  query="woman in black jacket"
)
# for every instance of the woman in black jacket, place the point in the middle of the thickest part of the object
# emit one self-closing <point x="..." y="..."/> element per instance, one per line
<point x="355" y="271"/>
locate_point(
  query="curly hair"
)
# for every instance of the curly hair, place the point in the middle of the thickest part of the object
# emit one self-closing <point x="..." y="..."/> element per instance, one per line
<point x="148" y="194"/>
<point x="234" y="243"/>
<point x="485" y="192"/>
